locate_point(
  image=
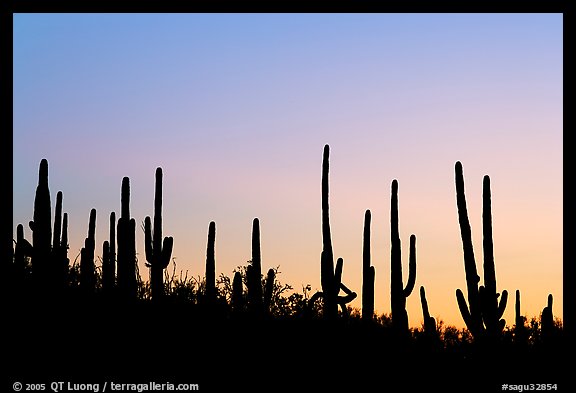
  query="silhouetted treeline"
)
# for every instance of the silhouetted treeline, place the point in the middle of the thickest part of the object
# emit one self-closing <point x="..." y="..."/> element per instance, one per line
<point x="252" y="329"/>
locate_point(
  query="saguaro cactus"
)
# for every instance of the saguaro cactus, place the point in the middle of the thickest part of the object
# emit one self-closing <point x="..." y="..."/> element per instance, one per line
<point x="158" y="252"/>
<point x="330" y="278"/>
<point x="109" y="257"/>
<point x="429" y="321"/>
<point x="237" y="293"/>
<point x="60" y="261"/>
<point x="259" y="299"/>
<point x="399" y="293"/>
<point x="22" y="250"/>
<point x="87" y="268"/>
<point x="368" y="273"/>
<point x="126" y="236"/>
<point x="211" y="264"/>
<point x="482" y="317"/>
<point x="41" y="227"/>
<point x="547" y="321"/>
<point x="520" y="331"/>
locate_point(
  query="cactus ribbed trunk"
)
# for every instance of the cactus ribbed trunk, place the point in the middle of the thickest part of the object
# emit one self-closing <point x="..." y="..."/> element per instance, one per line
<point x="368" y="273"/>
<point x="399" y="293"/>
<point x="329" y="286"/>
<point x="158" y="249"/>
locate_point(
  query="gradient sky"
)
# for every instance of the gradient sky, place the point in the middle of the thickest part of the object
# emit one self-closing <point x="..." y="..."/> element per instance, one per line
<point x="236" y="109"/>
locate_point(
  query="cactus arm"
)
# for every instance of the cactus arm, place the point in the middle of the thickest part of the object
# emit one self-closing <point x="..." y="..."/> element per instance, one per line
<point x="338" y="275"/>
<point x="411" y="267"/>
<point x="57" y="222"/>
<point x="148" y="248"/>
<point x="502" y="304"/>
<point x="466" y="315"/>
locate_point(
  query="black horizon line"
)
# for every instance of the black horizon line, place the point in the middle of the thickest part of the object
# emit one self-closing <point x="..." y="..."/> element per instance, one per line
<point x="218" y="6"/>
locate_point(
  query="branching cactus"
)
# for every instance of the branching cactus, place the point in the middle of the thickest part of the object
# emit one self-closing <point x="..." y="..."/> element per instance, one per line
<point x="126" y="236"/>
<point x="330" y="278"/>
<point x="87" y="268"/>
<point x="158" y="250"/>
<point x="211" y="264"/>
<point x="368" y="273"/>
<point x="483" y="312"/>
<point x="399" y="293"/>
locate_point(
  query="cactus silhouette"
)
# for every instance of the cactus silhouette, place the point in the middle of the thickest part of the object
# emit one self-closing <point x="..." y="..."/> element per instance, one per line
<point x="429" y="321"/>
<point x="237" y="294"/>
<point x="547" y="321"/>
<point x="330" y="278"/>
<point x="60" y="261"/>
<point x="269" y="289"/>
<point x="259" y="300"/>
<point x="399" y="293"/>
<point x="22" y="251"/>
<point x="158" y="251"/>
<point x="211" y="264"/>
<point x="41" y="227"/>
<point x="368" y="273"/>
<point x="482" y="316"/>
<point x="520" y="331"/>
<point x="87" y="267"/>
<point x="109" y="257"/>
<point x="126" y="243"/>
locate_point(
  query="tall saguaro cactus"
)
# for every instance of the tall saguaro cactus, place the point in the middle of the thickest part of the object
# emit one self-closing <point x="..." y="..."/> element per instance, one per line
<point x="87" y="268"/>
<point x="330" y="278"/>
<point x="483" y="313"/>
<point x="126" y="236"/>
<point x="399" y="293"/>
<point x="368" y="273"/>
<point x="158" y="251"/>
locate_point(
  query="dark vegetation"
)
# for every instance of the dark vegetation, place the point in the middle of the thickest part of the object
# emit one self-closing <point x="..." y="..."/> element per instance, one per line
<point x="97" y="318"/>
